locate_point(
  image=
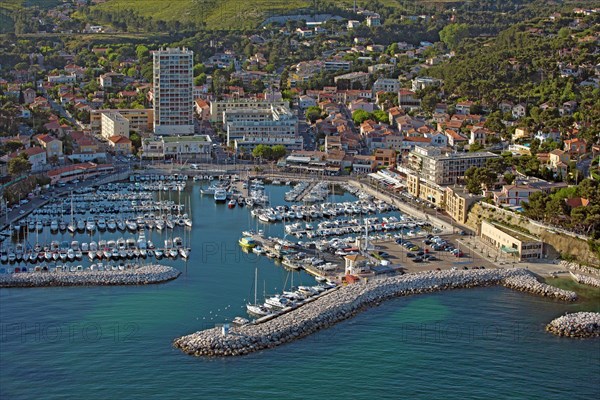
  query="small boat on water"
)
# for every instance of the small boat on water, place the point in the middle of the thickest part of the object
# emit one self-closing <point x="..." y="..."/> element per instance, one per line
<point x="220" y="195"/>
<point x="231" y="203"/>
<point x="247" y="242"/>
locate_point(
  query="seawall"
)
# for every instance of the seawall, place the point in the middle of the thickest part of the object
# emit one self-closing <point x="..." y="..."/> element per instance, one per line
<point x="144" y="275"/>
<point x="347" y="302"/>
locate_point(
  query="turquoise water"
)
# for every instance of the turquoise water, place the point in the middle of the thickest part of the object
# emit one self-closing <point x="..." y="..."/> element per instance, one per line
<point x="115" y="342"/>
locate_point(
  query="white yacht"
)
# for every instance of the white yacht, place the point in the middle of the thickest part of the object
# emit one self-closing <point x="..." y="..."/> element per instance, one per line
<point x="220" y="195"/>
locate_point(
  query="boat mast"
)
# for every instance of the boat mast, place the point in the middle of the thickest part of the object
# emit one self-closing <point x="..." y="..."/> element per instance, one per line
<point x="255" y="283"/>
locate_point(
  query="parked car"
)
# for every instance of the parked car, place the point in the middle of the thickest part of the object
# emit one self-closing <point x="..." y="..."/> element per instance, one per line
<point x="417" y="259"/>
<point x="410" y="255"/>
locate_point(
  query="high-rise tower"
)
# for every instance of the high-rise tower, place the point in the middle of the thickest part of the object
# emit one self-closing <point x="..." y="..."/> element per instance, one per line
<point x="173" y="91"/>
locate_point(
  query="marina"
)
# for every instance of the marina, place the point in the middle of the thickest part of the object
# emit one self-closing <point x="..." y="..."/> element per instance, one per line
<point x="215" y="287"/>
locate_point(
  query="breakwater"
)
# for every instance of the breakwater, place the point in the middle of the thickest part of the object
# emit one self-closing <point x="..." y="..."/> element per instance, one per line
<point x="585" y="280"/>
<point x="144" y="275"/>
<point x="581" y="324"/>
<point x="346" y="302"/>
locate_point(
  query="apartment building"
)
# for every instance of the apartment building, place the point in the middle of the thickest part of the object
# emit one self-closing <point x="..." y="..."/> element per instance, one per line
<point x="114" y="124"/>
<point x="173" y="91"/>
<point x="386" y="85"/>
<point x="433" y="165"/>
<point x="274" y="121"/>
<point x="140" y="120"/>
<point x="218" y="107"/>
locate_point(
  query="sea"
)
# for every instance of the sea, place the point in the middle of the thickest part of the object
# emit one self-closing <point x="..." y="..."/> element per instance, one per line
<point x="116" y="342"/>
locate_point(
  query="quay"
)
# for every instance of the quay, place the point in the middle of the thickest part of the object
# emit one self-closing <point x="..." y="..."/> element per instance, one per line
<point x="346" y="302"/>
<point x="147" y="274"/>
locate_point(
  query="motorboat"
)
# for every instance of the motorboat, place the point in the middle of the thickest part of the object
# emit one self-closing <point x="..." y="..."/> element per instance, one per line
<point x="220" y="195"/>
<point x="231" y="203"/>
<point x="247" y="242"/>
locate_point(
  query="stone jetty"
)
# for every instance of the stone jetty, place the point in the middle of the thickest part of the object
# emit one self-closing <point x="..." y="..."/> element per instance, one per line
<point x="346" y="302"/>
<point x="580" y="325"/>
<point x="585" y="280"/>
<point x="144" y="275"/>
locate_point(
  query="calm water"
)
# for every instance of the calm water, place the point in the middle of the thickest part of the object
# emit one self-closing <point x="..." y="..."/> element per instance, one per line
<point x="115" y="342"/>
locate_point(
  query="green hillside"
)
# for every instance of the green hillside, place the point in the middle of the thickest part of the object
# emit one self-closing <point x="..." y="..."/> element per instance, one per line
<point x="220" y="13"/>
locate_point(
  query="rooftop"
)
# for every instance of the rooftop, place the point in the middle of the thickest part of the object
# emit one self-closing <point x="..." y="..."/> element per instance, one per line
<point x="195" y="138"/>
<point x="523" y="237"/>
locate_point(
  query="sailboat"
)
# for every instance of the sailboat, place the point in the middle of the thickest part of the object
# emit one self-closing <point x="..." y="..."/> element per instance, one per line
<point x="255" y="309"/>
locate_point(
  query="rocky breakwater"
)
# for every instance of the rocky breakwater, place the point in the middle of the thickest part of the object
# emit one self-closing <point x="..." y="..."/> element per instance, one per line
<point x="144" y="275"/>
<point x="581" y="325"/>
<point x="585" y="280"/>
<point x="526" y="282"/>
<point x="344" y="303"/>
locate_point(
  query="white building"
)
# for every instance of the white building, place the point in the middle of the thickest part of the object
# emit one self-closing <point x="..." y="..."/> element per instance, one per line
<point x="246" y="123"/>
<point x="386" y="85"/>
<point x="422" y="82"/>
<point x="71" y="78"/>
<point x="196" y="147"/>
<point x="173" y="91"/>
<point x="113" y="124"/>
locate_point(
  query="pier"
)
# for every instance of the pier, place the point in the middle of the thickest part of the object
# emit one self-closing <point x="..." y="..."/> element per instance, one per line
<point x="346" y="302"/>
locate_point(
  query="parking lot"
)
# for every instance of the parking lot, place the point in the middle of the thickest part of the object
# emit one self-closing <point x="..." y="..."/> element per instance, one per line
<point x="422" y="254"/>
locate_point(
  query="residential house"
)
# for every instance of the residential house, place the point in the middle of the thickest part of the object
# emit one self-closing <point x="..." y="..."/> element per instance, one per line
<point x="575" y="147"/>
<point x="29" y="95"/>
<point x="436" y="139"/>
<point x="479" y="135"/>
<point x="408" y="100"/>
<point x="202" y="109"/>
<point x="558" y="161"/>
<point x="35" y="155"/>
<point x="464" y="107"/>
<point x="120" y="144"/>
<point x="455" y="138"/>
<point x="305" y="101"/>
<point x="506" y="106"/>
<point x="513" y="195"/>
<point x="333" y="143"/>
<point x="519" y="111"/>
<point x="363" y="164"/>
<point x="552" y="134"/>
<point x="385" y="157"/>
<point x="52" y="146"/>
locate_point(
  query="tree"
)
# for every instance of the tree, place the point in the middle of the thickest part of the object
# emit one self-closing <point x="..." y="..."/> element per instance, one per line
<point x="535" y="207"/>
<point x="509" y="178"/>
<point x="278" y="151"/>
<point x="476" y="177"/>
<point x="381" y="116"/>
<point x="12" y="145"/>
<point x="262" y="151"/>
<point x="142" y="52"/>
<point x="453" y="34"/>
<point x="19" y="165"/>
<point x="313" y="113"/>
<point x="136" y="140"/>
<point x="360" y="116"/>
<point x="200" y="79"/>
<point x="474" y="147"/>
